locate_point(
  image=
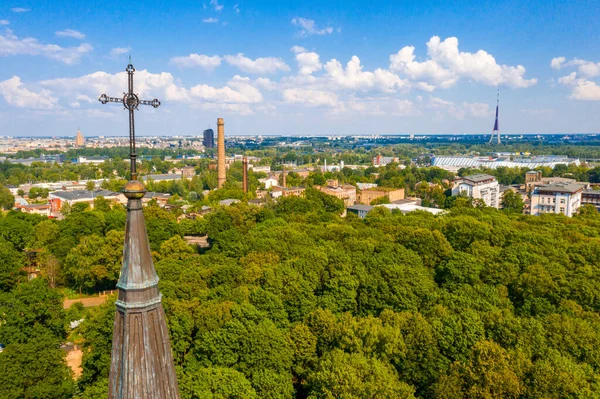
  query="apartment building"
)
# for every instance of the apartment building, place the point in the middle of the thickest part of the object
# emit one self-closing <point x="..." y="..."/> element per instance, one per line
<point x="557" y="198"/>
<point x="479" y="186"/>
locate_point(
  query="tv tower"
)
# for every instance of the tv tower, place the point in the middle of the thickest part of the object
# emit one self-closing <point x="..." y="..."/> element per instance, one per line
<point x="496" y="132"/>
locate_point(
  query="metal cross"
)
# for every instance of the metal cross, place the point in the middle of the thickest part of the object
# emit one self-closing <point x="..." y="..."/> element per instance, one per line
<point x="131" y="101"/>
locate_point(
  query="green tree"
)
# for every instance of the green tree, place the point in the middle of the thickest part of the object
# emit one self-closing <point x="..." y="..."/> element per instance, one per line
<point x="35" y="369"/>
<point x="344" y="375"/>
<point x="512" y="202"/>
<point x="7" y="200"/>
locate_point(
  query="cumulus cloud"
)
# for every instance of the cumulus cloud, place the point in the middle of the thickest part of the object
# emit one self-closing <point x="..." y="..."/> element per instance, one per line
<point x="117" y="51"/>
<point x="446" y="65"/>
<point x="12" y="45"/>
<point x="239" y="92"/>
<point x="267" y="65"/>
<point x="15" y="94"/>
<point x="197" y="60"/>
<point x="310" y="98"/>
<point x="309" y="27"/>
<point x="20" y="9"/>
<point x="581" y="84"/>
<point x="354" y="78"/>
<point x="586" y="68"/>
<point x="236" y="8"/>
<point x="70" y="33"/>
<point x="308" y="62"/>
<point x="4" y="22"/>
<point x="557" y="62"/>
<point x="581" y="89"/>
<point x="210" y="20"/>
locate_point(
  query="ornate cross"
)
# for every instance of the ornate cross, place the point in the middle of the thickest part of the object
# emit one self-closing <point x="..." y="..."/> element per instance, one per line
<point x="131" y="101"/>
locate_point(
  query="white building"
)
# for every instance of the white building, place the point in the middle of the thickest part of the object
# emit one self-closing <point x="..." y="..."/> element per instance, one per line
<point x="268" y="182"/>
<point x="479" y="186"/>
<point x="557" y="198"/>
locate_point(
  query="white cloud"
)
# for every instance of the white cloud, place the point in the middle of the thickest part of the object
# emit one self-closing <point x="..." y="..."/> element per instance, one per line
<point x="557" y="62"/>
<point x="20" y="9"/>
<point x="581" y="89"/>
<point x="12" y="45"/>
<point x="265" y="65"/>
<point x="309" y="27"/>
<point x="354" y="78"/>
<point x="15" y="94"/>
<point x="216" y="5"/>
<point x="210" y="20"/>
<point x="117" y="51"/>
<point x="310" y="98"/>
<point x="197" y="60"/>
<point x="446" y="65"/>
<point x="308" y="62"/>
<point x="4" y="22"/>
<point x="236" y="8"/>
<point x="70" y="33"/>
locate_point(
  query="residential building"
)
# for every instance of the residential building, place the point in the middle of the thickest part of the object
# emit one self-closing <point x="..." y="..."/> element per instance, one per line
<point x="346" y="193"/>
<point x="187" y="172"/>
<point x="208" y="138"/>
<point x="367" y="196"/>
<point x="360" y="210"/>
<point x="479" y="186"/>
<point x="384" y="161"/>
<point x="534" y="178"/>
<point x="58" y="198"/>
<point x="38" y="209"/>
<point x="591" y="197"/>
<point x="557" y="198"/>
<point x="278" y="191"/>
<point x="161" y="198"/>
<point x="259" y="169"/>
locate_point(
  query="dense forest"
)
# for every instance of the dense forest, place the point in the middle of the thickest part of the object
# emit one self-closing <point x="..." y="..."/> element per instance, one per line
<point x="293" y="301"/>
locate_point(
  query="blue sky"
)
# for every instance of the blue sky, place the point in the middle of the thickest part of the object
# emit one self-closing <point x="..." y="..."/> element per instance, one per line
<point x="311" y="67"/>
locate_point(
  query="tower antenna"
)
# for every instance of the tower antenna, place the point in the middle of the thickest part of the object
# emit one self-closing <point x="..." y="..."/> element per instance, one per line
<point x="496" y="131"/>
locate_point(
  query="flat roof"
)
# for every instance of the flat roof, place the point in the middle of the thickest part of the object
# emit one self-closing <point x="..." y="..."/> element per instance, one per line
<point x="83" y="194"/>
<point x="561" y="188"/>
<point x="479" y="177"/>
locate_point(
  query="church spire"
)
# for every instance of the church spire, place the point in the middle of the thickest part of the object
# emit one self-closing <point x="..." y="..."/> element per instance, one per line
<point x="141" y="358"/>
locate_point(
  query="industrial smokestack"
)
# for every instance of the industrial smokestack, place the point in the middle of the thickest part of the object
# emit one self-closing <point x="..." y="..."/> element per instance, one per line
<point x="283" y="177"/>
<point x="245" y="174"/>
<point x="221" y="173"/>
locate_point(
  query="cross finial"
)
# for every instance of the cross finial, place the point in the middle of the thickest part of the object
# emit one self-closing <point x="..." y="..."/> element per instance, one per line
<point x="130" y="101"/>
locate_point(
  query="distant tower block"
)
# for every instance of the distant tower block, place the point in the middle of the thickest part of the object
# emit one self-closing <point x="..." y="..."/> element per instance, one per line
<point x="79" y="142"/>
<point x="496" y="132"/>
<point x="221" y="173"/>
<point x="245" y="174"/>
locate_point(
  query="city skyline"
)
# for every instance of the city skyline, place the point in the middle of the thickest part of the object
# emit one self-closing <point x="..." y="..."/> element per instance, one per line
<point x="301" y="68"/>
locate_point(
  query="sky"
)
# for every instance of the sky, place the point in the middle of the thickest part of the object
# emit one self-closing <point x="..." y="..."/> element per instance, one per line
<point x="300" y="68"/>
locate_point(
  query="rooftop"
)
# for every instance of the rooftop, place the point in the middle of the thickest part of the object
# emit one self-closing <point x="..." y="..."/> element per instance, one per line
<point x="359" y="207"/>
<point x="569" y="188"/>
<point x="83" y="194"/>
<point x="479" y="178"/>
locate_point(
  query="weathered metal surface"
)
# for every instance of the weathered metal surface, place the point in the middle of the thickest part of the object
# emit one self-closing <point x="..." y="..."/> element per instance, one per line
<point x="141" y="360"/>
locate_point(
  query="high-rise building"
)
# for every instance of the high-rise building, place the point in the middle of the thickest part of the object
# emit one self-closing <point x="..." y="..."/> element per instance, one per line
<point x="79" y="141"/>
<point x="221" y="172"/>
<point x="208" y="138"/>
